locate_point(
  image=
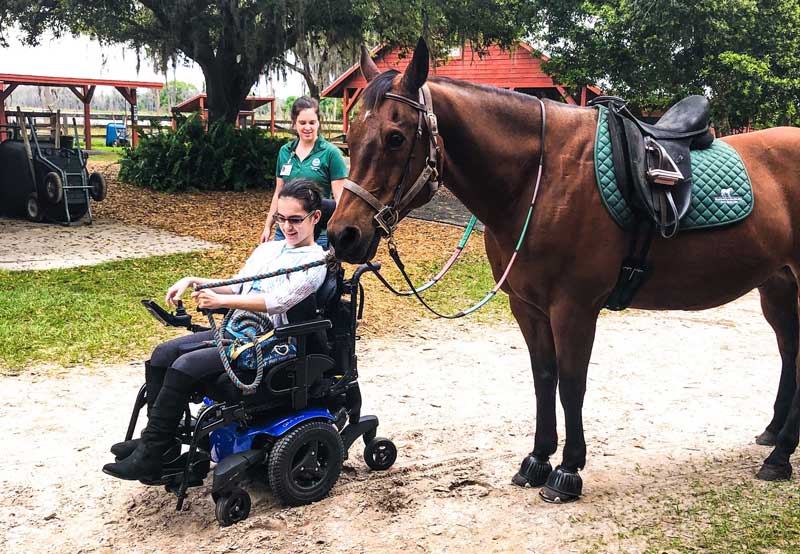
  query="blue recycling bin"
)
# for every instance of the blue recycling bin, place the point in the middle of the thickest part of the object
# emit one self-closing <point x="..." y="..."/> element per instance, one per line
<point x="116" y="134"/>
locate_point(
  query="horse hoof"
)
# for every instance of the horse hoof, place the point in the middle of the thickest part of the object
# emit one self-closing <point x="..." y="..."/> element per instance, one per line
<point x="533" y="472"/>
<point x="767" y="438"/>
<point x="562" y="486"/>
<point x="771" y="472"/>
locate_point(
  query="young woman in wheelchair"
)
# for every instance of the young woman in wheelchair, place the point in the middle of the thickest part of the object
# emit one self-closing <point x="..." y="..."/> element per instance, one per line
<point x="180" y="366"/>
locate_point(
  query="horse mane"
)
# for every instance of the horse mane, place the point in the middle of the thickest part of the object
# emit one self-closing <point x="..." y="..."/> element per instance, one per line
<point x="380" y="85"/>
<point x="376" y="89"/>
<point x="479" y="87"/>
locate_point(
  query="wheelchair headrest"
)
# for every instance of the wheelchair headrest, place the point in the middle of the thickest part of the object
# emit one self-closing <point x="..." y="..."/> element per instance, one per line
<point x="327" y="209"/>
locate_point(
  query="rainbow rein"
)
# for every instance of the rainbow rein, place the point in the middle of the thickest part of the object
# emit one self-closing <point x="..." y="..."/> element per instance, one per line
<point x="438" y="277"/>
<point x="244" y="319"/>
<point x="425" y="107"/>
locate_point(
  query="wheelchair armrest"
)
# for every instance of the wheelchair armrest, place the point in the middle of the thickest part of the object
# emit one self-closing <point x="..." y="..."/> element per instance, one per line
<point x="216" y="311"/>
<point x="305" y="328"/>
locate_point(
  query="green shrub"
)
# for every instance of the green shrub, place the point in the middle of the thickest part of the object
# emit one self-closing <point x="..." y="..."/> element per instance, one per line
<point x="224" y="158"/>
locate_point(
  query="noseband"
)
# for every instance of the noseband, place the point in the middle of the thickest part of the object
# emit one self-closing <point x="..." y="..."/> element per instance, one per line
<point x="388" y="215"/>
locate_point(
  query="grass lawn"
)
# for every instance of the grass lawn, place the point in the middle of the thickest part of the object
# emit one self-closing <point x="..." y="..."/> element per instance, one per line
<point x="89" y="314"/>
<point x="92" y="314"/>
<point x="749" y="517"/>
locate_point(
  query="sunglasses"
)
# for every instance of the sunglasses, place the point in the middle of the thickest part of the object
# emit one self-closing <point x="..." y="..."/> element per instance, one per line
<point x="293" y="219"/>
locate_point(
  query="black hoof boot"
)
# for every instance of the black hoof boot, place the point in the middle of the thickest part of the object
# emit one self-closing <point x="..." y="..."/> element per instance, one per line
<point x="533" y="471"/>
<point x="767" y="438"/>
<point x="773" y="472"/>
<point x="562" y="486"/>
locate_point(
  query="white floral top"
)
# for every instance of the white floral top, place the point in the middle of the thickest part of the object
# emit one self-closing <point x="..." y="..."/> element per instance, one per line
<point x="284" y="291"/>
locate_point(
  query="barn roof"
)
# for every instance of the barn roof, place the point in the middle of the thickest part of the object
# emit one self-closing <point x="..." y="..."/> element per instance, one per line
<point x="519" y="68"/>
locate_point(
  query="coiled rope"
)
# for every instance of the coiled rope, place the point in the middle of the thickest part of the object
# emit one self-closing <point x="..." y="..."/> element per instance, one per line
<point x="246" y="322"/>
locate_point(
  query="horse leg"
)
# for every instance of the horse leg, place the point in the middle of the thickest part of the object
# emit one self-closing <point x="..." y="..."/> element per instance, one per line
<point x="574" y="328"/>
<point x="777" y="466"/>
<point x="779" y="304"/>
<point x="536" y="468"/>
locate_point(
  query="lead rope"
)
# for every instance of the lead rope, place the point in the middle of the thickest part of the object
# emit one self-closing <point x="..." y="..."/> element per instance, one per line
<point x="396" y="256"/>
<point x="244" y="319"/>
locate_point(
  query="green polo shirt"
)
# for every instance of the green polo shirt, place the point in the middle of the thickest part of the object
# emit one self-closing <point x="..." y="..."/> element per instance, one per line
<point x="322" y="165"/>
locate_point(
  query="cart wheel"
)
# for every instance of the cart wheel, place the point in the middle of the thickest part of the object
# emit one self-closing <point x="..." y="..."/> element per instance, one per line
<point x="33" y="209"/>
<point x="305" y="463"/>
<point x="53" y="188"/>
<point x="233" y="507"/>
<point x="380" y="453"/>
<point x="98" y="188"/>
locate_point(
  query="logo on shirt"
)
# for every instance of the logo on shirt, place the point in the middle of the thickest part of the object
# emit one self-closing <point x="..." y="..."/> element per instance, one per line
<point x="315" y="163"/>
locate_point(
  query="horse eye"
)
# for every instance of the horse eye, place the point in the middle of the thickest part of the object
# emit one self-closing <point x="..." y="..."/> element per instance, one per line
<point x="396" y="140"/>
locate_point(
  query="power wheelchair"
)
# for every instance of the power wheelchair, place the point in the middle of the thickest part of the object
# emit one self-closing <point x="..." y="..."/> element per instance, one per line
<point x="298" y="426"/>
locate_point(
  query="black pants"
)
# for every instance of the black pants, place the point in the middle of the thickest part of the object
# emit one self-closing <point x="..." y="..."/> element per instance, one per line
<point x="200" y="366"/>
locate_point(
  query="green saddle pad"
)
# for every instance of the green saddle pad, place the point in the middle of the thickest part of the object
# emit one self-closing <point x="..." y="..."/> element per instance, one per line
<point x="721" y="191"/>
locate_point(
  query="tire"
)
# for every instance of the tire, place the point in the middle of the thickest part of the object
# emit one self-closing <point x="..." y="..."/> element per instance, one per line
<point x="305" y="463"/>
<point x="98" y="190"/>
<point x="233" y="507"/>
<point x="33" y="209"/>
<point x="380" y="454"/>
<point x="53" y="187"/>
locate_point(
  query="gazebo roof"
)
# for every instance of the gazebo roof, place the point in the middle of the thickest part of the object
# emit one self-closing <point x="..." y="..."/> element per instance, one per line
<point x="196" y="103"/>
<point x="48" y="81"/>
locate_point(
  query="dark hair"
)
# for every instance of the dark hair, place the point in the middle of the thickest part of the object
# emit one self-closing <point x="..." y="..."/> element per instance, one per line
<point x="304" y="103"/>
<point x="304" y="190"/>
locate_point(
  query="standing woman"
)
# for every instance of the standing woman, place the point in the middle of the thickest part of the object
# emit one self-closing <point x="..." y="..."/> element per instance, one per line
<point x="309" y="156"/>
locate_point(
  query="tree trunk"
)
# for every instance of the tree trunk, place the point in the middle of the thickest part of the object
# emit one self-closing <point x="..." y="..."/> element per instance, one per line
<point x="227" y="86"/>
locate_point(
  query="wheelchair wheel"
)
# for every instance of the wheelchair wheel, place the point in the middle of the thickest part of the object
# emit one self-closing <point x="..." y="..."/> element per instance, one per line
<point x="305" y="463"/>
<point x="380" y="453"/>
<point x="233" y="507"/>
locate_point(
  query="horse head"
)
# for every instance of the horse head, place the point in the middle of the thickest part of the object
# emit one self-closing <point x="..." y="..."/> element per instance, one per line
<point x="394" y="157"/>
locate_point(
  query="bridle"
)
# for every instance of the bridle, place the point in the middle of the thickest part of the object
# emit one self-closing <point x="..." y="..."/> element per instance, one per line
<point x="388" y="215"/>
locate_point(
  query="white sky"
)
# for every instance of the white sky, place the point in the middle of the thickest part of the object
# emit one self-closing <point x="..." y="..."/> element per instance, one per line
<point x="84" y="58"/>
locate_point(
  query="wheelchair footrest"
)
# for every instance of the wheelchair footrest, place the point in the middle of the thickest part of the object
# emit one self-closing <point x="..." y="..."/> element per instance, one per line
<point x="366" y="426"/>
<point x="172" y="474"/>
<point x="230" y="471"/>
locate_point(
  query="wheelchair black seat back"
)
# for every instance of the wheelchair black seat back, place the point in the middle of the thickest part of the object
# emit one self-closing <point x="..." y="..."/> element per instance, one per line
<point x="297" y="428"/>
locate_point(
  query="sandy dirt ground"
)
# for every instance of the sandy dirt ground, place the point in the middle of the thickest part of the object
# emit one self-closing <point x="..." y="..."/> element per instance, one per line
<point x="27" y="245"/>
<point x="671" y="397"/>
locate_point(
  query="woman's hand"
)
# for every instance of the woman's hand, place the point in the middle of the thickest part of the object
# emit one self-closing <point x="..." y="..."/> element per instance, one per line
<point x="175" y="292"/>
<point x="208" y="299"/>
<point x="267" y="232"/>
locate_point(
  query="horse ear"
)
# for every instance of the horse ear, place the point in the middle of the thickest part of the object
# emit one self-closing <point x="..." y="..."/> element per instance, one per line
<point x="417" y="71"/>
<point x="368" y="68"/>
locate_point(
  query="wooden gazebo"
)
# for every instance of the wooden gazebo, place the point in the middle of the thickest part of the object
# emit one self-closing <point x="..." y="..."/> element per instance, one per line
<point x="519" y="69"/>
<point x="246" y="113"/>
<point x="83" y="89"/>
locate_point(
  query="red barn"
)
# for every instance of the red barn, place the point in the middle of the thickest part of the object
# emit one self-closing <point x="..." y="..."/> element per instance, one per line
<point x="520" y="70"/>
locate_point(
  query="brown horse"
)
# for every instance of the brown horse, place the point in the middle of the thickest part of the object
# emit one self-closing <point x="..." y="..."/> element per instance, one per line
<point x="568" y="265"/>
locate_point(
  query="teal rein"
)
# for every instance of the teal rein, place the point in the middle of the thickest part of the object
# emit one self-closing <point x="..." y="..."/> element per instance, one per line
<point x="456" y="253"/>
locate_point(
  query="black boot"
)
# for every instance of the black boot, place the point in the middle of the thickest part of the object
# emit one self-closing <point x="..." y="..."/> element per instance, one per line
<point x="145" y="463"/>
<point x="153" y="378"/>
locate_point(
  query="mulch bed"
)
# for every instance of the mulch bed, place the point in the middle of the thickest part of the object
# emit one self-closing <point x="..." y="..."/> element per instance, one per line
<point x="235" y="221"/>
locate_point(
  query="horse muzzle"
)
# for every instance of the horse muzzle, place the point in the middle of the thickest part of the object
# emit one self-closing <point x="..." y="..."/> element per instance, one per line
<point x="352" y="244"/>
